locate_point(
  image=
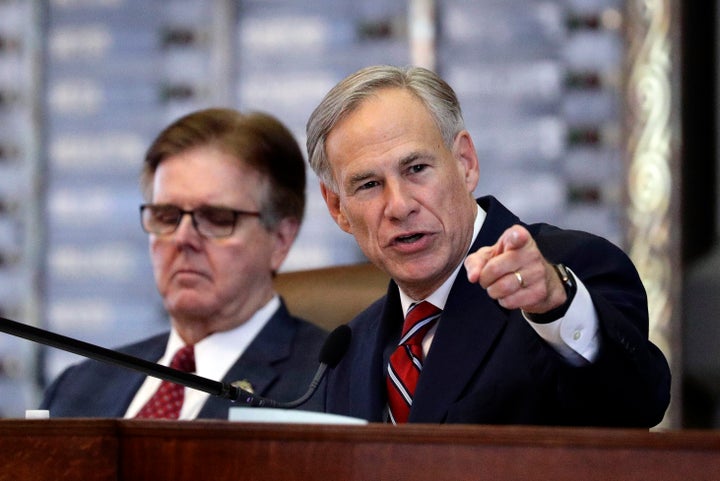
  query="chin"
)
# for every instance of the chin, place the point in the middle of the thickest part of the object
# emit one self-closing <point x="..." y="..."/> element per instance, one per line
<point x="419" y="276"/>
<point x="188" y="308"/>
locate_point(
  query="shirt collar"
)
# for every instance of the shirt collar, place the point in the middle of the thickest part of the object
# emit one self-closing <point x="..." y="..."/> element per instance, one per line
<point x="215" y="354"/>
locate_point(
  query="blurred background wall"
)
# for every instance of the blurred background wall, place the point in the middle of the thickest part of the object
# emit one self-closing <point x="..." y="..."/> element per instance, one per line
<point x="566" y="101"/>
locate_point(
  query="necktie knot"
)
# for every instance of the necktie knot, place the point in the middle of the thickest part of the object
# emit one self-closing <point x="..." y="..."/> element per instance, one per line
<point x="419" y="320"/>
<point x="184" y="359"/>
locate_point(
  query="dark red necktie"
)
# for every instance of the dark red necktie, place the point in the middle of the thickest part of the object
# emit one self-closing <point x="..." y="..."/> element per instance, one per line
<point x="168" y="399"/>
<point x="406" y="361"/>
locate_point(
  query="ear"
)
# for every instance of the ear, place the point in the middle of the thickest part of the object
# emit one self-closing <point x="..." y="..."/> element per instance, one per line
<point x="284" y="236"/>
<point x="464" y="152"/>
<point x="332" y="200"/>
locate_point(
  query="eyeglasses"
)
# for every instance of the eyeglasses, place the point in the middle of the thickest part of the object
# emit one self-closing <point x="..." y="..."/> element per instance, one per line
<point x="209" y="221"/>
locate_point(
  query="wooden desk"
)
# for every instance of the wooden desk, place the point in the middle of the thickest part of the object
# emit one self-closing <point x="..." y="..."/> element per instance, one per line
<point x="135" y="450"/>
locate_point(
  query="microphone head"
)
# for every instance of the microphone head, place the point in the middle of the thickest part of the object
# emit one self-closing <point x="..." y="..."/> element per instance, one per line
<point x="336" y="345"/>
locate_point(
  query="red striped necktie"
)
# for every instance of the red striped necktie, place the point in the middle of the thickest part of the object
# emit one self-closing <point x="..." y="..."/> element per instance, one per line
<point x="406" y="361"/>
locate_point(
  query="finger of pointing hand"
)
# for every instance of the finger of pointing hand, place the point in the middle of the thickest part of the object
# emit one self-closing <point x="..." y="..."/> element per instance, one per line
<point x="515" y="238"/>
<point x="475" y="262"/>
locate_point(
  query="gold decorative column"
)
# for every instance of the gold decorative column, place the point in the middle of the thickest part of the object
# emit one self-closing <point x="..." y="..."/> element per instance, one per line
<point x="652" y="137"/>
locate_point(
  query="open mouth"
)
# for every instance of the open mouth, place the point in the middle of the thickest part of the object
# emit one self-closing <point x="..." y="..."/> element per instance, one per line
<point x="408" y="239"/>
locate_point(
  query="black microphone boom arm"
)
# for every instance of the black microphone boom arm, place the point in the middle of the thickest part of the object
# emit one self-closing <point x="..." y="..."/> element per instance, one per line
<point x="332" y="351"/>
<point x="98" y="353"/>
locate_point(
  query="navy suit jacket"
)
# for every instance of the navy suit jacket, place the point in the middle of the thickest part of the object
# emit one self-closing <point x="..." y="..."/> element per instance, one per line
<point x="279" y="363"/>
<point x="486" y="365"/>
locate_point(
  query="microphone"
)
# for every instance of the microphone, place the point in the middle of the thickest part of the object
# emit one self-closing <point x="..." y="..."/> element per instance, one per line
<point x="331" y="352"/>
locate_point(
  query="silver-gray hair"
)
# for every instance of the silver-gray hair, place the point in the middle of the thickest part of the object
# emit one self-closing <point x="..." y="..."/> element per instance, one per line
<point x="437" y="96"/>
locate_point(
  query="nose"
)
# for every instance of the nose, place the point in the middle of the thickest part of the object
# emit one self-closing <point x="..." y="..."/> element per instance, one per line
<point x="186" y="231"/>
<point x="399" y="203"/>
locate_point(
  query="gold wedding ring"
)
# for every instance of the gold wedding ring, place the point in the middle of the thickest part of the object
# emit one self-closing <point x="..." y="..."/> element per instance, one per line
<point x="520" y="279"/>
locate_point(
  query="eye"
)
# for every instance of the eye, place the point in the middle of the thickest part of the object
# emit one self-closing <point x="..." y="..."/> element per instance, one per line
<point x="368" y="185"/>
<point x="416" y="168"/>
<point x="217" y="215"/>
<point x="166" y="214"/>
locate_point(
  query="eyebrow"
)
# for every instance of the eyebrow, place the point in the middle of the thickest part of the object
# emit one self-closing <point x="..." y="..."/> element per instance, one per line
<point x="361" y="177"/>
<point x="412" y="157"/>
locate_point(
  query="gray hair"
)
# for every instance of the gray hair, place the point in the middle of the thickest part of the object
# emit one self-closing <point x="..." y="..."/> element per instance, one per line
<point x="437" y="96"/>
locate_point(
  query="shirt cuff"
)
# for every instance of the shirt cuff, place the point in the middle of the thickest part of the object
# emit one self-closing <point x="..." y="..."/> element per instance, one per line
<point x="575" y="335"/>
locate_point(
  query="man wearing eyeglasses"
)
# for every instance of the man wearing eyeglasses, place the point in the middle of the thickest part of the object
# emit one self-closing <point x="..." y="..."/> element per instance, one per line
<point x="225" y="195"/>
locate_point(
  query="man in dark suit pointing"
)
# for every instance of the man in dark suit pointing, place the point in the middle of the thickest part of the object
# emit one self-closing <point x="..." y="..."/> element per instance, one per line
<point x="487" y="319"/>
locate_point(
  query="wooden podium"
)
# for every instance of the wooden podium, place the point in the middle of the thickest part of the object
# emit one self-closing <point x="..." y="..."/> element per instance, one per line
<point x="115" y="449"/>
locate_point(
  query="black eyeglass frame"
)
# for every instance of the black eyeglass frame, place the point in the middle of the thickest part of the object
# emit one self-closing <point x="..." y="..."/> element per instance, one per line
<point x="182" y="213"/>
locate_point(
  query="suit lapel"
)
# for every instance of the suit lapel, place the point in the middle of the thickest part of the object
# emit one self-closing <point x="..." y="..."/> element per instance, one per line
<point x="150" y="350"/>
<point x="118" y="393"/>
<point x="367" y="394"/>
<point x="459" y="347"/>
<point x="256" y="364"/>
<point x="468" y="328"/>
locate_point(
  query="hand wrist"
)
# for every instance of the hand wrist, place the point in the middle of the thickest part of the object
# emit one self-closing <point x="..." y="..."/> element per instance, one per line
<point x="568" y="282"/>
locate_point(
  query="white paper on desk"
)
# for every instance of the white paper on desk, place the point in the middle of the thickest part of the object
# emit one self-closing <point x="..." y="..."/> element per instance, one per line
<point x="274" y="415"/>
